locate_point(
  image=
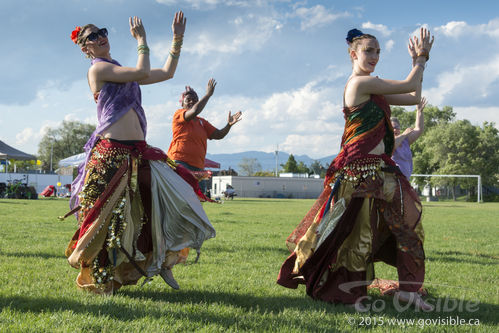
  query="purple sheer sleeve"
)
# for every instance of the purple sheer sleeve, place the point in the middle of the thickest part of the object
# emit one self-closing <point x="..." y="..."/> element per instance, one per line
<point x="115" y="99"/>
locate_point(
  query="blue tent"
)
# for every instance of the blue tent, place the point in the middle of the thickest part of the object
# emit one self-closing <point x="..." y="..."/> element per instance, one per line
<point x="9" y="153"/>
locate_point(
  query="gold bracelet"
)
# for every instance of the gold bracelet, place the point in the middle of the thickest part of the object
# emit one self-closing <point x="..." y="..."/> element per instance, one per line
<point x="177" y="45"/>
<point x="176" y="48"/>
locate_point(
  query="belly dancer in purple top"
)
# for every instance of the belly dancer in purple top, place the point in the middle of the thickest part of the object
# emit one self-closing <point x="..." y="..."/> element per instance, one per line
<point x="135" y="212"/>
<point x="402" y="154"/>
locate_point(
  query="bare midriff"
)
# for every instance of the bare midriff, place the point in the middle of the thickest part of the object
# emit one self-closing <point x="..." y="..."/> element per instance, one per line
<point x="379" y="149"/>
<point x="126" y="128"/>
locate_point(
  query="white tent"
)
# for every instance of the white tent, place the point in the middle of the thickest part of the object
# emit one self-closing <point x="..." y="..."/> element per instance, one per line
<point x="72" y="161"/>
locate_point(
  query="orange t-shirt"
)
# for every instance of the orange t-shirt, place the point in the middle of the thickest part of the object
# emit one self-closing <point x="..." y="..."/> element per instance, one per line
<point x="189" y="140"/>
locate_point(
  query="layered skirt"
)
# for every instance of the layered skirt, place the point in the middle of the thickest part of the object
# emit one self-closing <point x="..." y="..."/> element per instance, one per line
<point x="137" y="214"/>
<point x="368" y="213"/>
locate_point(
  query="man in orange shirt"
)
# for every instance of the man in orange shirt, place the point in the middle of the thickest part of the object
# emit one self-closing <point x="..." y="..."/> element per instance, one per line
<point x="190" y="132"/>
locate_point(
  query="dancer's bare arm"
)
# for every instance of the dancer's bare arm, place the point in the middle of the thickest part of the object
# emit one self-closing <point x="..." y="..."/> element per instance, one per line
<point x="170" y="66"/>
<point x="412" y="97"/>
<point x="419" y="126"/>
<point x="400" y="138"/>
<point x="231" y="120"/>
<point x="102" y="72"/>
<point x="412" y="134"/>
<point x="199" y="106"/>
<point x="399" y="92"/>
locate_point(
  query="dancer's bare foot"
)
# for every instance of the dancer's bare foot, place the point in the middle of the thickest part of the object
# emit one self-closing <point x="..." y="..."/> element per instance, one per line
<point x="413" y="298"/>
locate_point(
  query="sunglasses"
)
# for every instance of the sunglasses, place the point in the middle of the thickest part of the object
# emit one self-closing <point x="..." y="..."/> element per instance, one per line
<point x="95" y="35"/>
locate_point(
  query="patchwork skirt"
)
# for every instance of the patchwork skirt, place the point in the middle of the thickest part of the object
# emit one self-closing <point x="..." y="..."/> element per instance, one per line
<point x="136" y="215"/>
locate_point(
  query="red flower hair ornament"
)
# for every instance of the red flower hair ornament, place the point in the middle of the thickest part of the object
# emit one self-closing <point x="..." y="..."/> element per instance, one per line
<point x="74" y="34"/>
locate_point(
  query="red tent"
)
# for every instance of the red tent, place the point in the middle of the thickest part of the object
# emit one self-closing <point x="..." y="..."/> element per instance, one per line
<point x="211" y="164"/>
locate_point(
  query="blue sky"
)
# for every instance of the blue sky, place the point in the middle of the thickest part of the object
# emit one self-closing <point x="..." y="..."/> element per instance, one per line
<point x="283" y="63"/>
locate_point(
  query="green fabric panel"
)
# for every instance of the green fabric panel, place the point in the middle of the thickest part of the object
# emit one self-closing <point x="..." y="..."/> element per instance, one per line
<point x="370" y="115"/>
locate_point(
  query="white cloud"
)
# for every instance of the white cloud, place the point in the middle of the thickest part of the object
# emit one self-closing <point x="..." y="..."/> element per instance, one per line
<point x="302" y="121"/>
<point x="45" y="128"/>
<point x="453" y="29"/>
<point x="28" y="123"/>
<point x="381" y="28"/>
<point x="25" y="136"/>
<point x="478" y="115"/>
<point x="313" y="145"/>
<point x="238" y="20"/>
<point x="491" y="28"/>
<point x="474" y="82"/>
<point x="305" y="103"/>
<point x="389" y="45"/>
<point x="159" y="123"/>
<point x="71" y="117"/>
<point x="359" y="10"/>
<point x="204" y="4"/>
<point x="417" y="31"/>
<point x="316" y="16"/>
<point x="28" y="135"/>
<point x="245" y="33"/>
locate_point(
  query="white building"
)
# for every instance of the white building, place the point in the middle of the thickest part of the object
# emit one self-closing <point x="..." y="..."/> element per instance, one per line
<point x="268" y="187"/>
<point x="38" y="180"/>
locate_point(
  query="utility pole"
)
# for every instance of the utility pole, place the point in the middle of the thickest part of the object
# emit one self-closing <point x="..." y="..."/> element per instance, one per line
<point x="276" y="158"/>
<point x="51" y="153"/>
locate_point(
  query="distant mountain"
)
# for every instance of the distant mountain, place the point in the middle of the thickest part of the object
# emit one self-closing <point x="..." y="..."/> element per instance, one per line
<point x="266" y="160"/>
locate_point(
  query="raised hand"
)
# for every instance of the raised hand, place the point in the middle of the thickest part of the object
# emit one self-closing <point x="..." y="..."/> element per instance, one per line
<point x="411" y="49"/>
<point x="232" y="119"/>
<point x="136" y="28"/>
<point x="408" y="130"/>
<point x="178" y="25"/>
<point x="210" y="89"/>
<point x="422" y="104"/>
<point x="424" y="43"/>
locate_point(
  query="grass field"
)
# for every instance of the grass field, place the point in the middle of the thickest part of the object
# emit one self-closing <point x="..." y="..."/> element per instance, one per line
<point x="233" y="286"/>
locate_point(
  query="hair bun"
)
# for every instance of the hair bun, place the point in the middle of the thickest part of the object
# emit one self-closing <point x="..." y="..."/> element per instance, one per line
<point x="352" y="34"/>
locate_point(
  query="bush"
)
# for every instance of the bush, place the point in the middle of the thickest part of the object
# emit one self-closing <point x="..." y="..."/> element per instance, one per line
<point x="485" y="198"/>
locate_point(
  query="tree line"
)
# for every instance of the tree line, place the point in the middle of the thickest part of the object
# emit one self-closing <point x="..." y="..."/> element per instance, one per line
<point x="447" y="146"/>
<point x="450" y="146"/>
<point x="59" y="143"/>
<point x="251" y="167"/>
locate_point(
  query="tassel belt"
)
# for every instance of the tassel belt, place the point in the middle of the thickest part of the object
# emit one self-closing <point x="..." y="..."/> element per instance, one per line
<point x="359" y="170"/>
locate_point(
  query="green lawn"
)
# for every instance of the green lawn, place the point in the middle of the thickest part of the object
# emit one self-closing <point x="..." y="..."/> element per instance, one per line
<point x="233" y="286"/>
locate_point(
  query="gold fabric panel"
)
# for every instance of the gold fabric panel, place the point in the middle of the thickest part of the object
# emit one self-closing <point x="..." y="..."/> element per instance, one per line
<point x="91" y="243"/>
<point x="355" y="252"/>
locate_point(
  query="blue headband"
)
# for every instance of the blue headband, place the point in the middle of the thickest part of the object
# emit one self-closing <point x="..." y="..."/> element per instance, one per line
<point x="352" y="34"/>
